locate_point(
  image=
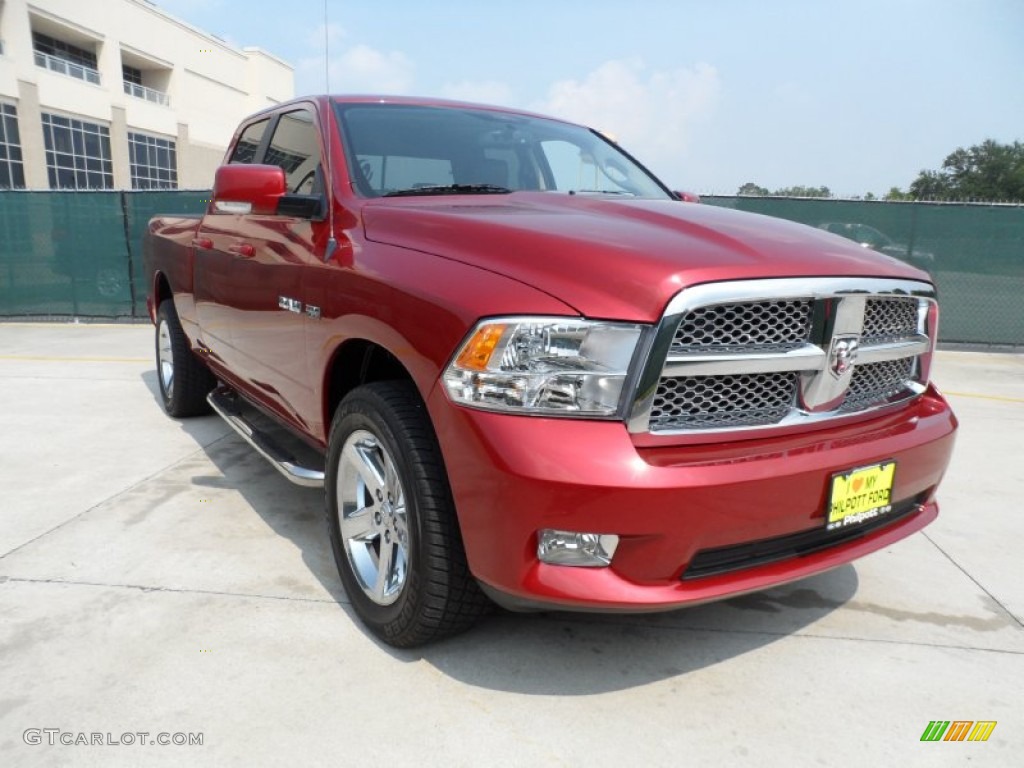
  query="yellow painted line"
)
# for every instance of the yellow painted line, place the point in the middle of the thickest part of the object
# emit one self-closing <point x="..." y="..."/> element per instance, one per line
<point x="985" y="397"/>
<point x="77" y="359"/>
<point x="70" y="324"/>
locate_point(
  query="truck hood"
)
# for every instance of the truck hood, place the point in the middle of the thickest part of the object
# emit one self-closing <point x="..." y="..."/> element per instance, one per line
<point x="617" y="258"/>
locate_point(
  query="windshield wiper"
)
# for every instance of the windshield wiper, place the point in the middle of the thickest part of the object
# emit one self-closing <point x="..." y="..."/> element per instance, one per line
<point x="600" y="192"/>
<point x="451" y="189"/>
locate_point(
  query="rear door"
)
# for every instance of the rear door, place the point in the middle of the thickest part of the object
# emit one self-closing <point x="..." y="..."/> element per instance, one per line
<point x="215" y="258"/>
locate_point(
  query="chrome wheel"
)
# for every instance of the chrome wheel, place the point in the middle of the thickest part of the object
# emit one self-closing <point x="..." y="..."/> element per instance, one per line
<point x="394" y="532"/>
<point x="165" y="357"/>
<point x="183" y="379"/>
<point x="372" y="517"/>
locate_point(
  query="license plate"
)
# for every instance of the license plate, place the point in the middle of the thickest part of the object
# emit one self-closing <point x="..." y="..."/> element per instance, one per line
<point x="860" y="495"/>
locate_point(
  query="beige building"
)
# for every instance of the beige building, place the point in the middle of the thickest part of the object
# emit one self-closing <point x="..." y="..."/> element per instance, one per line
<point x="117" y="94"/>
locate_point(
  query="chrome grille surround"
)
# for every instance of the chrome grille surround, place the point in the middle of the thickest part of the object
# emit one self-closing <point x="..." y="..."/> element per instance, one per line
<point x="834" y="347"/>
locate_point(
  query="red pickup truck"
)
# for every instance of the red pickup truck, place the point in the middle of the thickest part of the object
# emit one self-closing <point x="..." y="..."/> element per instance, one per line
<point x="525" y="371"/>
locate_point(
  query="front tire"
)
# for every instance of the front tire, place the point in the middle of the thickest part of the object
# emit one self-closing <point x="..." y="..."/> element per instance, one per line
<point x="393" y="528"/>
<point x="184" y="380"/>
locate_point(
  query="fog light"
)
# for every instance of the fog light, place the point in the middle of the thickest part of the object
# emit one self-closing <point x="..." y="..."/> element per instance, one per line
<point x="592" y="550"/>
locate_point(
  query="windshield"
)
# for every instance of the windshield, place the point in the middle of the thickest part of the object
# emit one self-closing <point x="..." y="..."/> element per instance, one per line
<point x="398" y="149"/>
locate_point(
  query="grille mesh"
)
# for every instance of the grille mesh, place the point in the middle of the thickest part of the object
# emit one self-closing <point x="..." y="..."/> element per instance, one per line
<point x="874" y="383"/>
<point x="759" y="324"/>
<point x="889" y="318"/>
<point x="709" y="402"/>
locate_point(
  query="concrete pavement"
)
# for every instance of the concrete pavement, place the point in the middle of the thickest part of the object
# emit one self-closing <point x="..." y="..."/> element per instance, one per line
<point x="158" y="576"/>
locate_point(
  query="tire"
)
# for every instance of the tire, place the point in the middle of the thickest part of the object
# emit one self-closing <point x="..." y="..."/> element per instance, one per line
<point x="387" y="492"/>
<point x="184" y="380"/>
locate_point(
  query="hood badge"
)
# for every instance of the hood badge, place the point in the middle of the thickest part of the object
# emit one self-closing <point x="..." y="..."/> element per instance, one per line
<point x="843" y="355"/>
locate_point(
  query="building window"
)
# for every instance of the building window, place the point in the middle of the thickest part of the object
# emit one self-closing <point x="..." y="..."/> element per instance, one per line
<point x="61" y="50"/>
<point x="77" y="153"/>
<point x="154" y="162"/>
<point x="68" y="59"/>
<point x="131" y="74"/>
<point x="290" y="162"/>
<point x="12" y="170"/>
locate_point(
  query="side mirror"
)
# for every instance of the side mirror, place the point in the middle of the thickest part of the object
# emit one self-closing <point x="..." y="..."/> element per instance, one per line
<point x="686" y="197"/>
<point x="244" y="189"/>
<point x="302" y="206"/>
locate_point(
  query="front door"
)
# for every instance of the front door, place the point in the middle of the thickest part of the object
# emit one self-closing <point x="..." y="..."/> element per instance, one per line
<point x="273" y="259"/>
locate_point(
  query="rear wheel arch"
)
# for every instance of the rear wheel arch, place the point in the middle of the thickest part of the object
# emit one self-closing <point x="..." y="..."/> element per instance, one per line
<point x="161" y="290"/>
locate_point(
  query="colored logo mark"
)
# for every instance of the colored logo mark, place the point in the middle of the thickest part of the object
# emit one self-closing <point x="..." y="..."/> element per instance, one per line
<point x="958" y="730"/>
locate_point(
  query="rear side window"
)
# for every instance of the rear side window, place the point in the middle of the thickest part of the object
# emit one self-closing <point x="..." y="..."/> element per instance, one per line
<point x="295" y="148"/>
<point x="249" y="142"/>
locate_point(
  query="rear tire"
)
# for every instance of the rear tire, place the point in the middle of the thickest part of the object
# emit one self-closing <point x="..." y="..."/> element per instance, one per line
<point x="392" y="521"/>
<point x="184" y="380"/>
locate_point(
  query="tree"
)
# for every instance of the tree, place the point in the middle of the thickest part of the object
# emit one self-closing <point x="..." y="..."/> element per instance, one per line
<point x="750" y="188"/>
<point x="895" y="193"/>
<point x="986" y="171"/>
<point x="803" y="192"/>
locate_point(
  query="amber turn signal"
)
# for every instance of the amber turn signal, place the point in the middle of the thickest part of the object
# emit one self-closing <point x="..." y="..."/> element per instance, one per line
<point x="477" y="353"/>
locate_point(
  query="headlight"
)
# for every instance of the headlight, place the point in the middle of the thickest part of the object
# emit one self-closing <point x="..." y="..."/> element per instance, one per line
<point x="544" y="365"/>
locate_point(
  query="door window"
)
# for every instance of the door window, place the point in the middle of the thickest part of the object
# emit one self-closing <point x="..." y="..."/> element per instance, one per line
<point x="296" y="149"/>
<point x="249" y="143"/>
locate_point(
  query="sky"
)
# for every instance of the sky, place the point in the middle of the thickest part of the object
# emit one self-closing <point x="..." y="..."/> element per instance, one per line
<point x="855" y="95"/>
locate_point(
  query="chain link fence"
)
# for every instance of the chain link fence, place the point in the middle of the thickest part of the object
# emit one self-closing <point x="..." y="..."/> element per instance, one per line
<point x="80" y="253"/>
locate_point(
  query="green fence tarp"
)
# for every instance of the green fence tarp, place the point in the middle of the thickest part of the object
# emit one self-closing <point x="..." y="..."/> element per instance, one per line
<point x="140" y="207"/>
<point x="974" y="252"/>
<point x="80" y="253"/>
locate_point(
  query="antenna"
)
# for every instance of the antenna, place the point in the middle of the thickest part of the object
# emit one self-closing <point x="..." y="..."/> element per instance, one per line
<point x="332" y="243"/>
<point x="327" y="47"/>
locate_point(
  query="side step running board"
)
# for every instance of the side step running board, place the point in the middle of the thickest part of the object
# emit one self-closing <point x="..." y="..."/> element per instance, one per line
<point x="225" y="405"/>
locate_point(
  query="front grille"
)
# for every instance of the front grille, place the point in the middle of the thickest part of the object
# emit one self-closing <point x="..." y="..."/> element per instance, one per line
<point x="711" y="562"/>
<point x="771" y="324"/>
<point x="887" y="319"/>
<point x="712" y="402"/>
<point x="877" y="382"/>
<point x="762" y="353"/>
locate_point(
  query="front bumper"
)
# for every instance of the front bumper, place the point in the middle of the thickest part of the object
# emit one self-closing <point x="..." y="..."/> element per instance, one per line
<point x="514" y="475"/>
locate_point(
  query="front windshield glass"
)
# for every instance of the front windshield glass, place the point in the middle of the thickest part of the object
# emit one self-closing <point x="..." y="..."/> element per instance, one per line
<point x="398" y="149"/>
